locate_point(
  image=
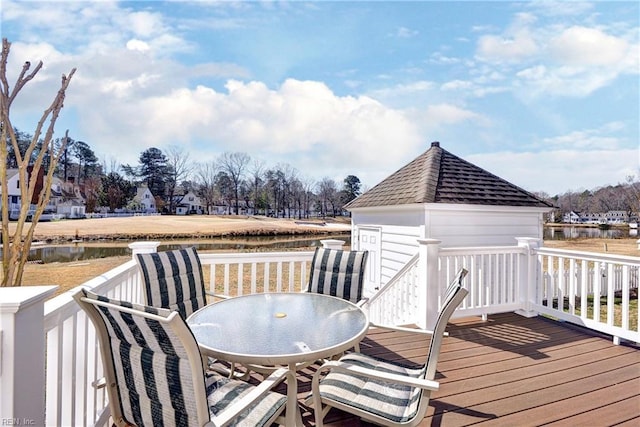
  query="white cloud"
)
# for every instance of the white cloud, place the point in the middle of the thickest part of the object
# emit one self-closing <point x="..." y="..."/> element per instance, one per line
<point x="555" y="59"/>
<point x="558" y="171"/>
<point x="447" y="114"/>
<point x="581" y="46"/>
<point x="304" y="119"/>
<point x="457" y="85"/>
<point x="138" y="45"/>
<point x="602" y="138"/>
<point x="570" y="81"/>
<point x="518" y="42"/>
<point x="405" y="33"/>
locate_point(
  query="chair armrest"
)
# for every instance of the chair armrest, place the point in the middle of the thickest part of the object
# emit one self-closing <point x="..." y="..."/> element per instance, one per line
<point x="99" y="383"/>
<point x="213" y="294"/>
<point x="383" y="376"/>
<point x="363" y="303"/>
<point x="260" y="390"/>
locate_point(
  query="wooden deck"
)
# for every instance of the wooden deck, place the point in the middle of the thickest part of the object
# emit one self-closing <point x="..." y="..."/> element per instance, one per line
<point x="514" y="371"/>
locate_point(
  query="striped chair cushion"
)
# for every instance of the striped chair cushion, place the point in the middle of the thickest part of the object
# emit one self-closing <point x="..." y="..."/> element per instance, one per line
<point x="153" y="374"/>
<point x="151" y="366"/>
<point x="397" y="403"/>
<point x="173" y="279"/>
<point x="338" y="273"/>
<point x="222" y="392"/>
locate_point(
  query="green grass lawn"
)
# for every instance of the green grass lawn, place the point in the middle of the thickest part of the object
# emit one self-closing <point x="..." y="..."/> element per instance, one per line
<point x="617" y="309"/>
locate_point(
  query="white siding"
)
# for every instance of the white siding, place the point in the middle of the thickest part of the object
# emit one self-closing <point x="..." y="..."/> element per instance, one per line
<point x="454" y="225"/>
<point x="482" y="228"/>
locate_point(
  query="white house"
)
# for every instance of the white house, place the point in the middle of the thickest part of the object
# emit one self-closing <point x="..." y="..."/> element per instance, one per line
<point x="189" y="204"/>
<point x="13" y="190"/>
<point x="144" y="200"/>
<point x="572" y="217"/>
<point x="439" y="196"/>
<point x="67" y="198"/>
<point x="13" y="184"/>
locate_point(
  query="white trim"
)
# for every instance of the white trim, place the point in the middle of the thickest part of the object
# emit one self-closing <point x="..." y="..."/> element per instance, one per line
<point x="416" y="207"/>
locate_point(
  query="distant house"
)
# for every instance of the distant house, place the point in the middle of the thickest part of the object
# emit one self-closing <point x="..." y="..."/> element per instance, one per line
<point x="189" y="204"/>
<point x="67" y="198"/>
<point x="617" y="217"/>
<point x="572" y="217"/>
<point x="612" y="217"/>
<point x="13" y="191"/>
<point x="440" y="196"/>
<point x="144" y="201"/>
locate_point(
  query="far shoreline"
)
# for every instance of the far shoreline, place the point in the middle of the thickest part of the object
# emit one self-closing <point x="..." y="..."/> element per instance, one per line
<point x="192" y="227"/>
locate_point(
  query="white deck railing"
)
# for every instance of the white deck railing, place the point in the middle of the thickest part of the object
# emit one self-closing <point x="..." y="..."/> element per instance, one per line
<point x="590" y="289"/>
<point x="72" y="357"/>
<point x="396" y="303"/>
<point x="234" y="274"/>
<point x="522" y="278"/>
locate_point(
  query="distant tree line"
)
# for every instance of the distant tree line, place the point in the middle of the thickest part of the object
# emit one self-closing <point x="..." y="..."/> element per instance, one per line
<point x="234" y="178"/>
<point x="621" y="197"/>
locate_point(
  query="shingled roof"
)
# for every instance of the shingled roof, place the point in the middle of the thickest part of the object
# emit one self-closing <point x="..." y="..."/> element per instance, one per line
<point x="437" y="176"/>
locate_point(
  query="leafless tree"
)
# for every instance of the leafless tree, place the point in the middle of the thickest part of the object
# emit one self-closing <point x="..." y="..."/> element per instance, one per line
<point x="180" y="168"/>
<point x="298" y="197"/>
<point x="35" y="181"/>
<point x="205" y="177"/>
<point x="91" y="190"/>
<point x="290" y="175"/>
<point x="328" y="195"/>
<point x="234" y="165"/>
<point x="256" y="172"/>
<point x="308" y="184"/>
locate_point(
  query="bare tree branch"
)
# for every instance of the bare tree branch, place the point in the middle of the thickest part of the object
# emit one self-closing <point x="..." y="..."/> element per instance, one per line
<point x="34" y="184"/>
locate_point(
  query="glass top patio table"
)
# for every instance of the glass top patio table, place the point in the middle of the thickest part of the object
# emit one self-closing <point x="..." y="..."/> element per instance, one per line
<point x="278" y="328"/>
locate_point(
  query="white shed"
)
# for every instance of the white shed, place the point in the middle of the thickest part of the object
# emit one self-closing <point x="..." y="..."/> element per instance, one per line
<point x="439" y="196"/>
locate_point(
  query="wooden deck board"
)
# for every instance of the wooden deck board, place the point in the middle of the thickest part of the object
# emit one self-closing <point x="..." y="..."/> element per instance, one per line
<point x="514" y="371"/>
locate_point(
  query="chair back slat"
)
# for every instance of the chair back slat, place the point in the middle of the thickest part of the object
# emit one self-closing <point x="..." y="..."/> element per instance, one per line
<point x="152" y="363"/>
<point x="338" y="273"/>
<point x="173" y="280"/>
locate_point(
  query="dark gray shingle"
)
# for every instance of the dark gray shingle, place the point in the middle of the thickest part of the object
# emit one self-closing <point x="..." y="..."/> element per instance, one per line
<point x="437" y="176"/>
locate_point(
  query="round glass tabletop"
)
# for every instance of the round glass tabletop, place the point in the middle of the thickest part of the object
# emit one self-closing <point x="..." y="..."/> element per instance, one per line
<point x="278" y="328"/>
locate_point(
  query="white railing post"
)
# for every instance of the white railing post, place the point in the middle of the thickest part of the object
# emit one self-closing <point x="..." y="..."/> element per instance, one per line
<point x="332" y="243"/>
<point x="428" y="283"/>
<point x="528" y="277"/>
<point x="143" y="248"/>
<point x="22" y="352"/>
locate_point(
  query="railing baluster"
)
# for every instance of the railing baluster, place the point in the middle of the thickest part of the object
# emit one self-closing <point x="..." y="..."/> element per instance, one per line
<point x="586" y="277"/>
<point x="226" y="280"/>
<point x="610" y="294"/>
<point x="266" y="276"/>
<point x="254" y="274"/>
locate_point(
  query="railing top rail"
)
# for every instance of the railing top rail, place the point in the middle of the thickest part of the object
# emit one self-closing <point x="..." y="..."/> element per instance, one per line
<point x="410" y="264"/>
<point x="63" y="305"/>
<point x="479" y="250"/>
<point x="222" y="257"/>
<point x="589" y="256"/>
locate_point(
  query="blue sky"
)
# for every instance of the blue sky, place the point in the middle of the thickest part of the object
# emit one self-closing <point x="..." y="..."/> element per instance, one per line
<point x="543" y="94"/>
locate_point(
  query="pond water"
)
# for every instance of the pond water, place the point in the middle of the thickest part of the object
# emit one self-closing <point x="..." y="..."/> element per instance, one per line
<point x="92" y="250"/>
<point x="563" y="233"/>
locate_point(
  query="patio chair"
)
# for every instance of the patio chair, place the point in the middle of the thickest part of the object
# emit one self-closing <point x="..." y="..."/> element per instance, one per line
<point x="154" y="372"/>
<point x="173" y="279"/>
<point x="384" y="392"/>
<point x="338" y="273"/>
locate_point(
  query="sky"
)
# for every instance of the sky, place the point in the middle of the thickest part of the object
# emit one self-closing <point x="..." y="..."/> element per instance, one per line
<point x="544" y="94"/>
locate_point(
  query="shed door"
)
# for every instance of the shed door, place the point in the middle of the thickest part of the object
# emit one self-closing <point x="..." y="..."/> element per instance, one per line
<point x="369" y="240"/>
